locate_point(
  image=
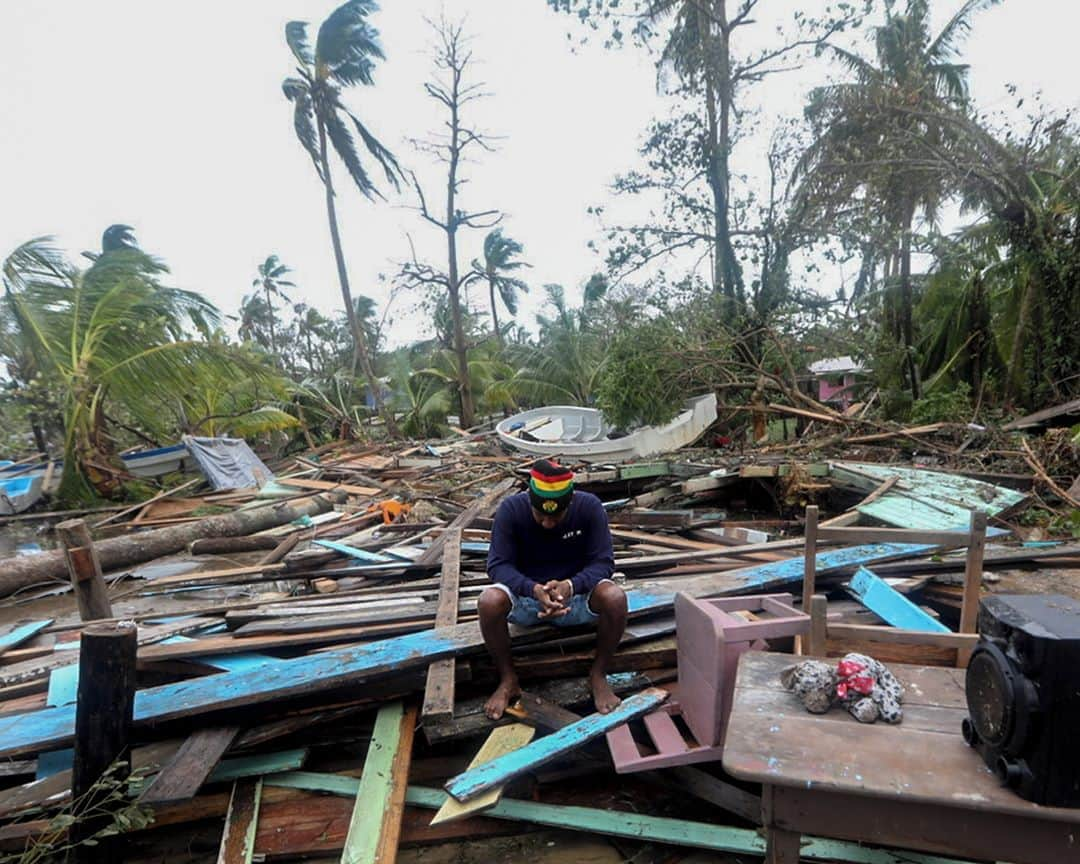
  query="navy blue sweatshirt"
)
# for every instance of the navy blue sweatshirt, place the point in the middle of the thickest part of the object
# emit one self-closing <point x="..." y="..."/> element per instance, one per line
<point x="523" y="554"/>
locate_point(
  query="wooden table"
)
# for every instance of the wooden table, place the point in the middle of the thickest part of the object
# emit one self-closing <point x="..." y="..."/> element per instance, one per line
<point x="915" y="786"/>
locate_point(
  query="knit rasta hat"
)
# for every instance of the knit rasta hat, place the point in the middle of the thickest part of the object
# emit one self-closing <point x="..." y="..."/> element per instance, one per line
<point x="550" y="487"/>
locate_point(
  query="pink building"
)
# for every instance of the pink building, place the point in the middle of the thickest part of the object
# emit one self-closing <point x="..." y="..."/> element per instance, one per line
<point x="836" y="379"/>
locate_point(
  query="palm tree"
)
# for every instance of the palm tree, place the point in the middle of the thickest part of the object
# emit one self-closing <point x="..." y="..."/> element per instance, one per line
<point x="499" y="261"/>
<point x="866" y="129"/>
<point x="113" y="333"/>
<point x="269" y="279"/>
<point x="346" y="49"/>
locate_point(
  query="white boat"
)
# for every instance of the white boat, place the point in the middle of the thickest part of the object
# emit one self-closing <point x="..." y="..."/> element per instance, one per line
<point x="583" y="433"/>
<point x="161" y="460"/>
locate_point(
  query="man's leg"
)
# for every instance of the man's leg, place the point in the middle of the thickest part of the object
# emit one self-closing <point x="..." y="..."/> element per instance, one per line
<point x="608" y="601"/>
<point x="493" y="607"/>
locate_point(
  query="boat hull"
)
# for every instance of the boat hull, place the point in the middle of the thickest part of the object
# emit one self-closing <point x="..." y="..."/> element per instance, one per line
<point x="581" y="433"/>
<point x="154" y="463"/>
<point x="19" y="494"/>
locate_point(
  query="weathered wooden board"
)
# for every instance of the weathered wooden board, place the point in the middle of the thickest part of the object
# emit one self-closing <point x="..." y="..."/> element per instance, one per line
<point x="193" y="763"/>
<point x="42" y="729"/>
<point x="238" y="839"/>
<point x="502" y="740"/>
<point x="504" y="768"/>
<point x="877" y="596"/>
<point x="17" y="635"/>
<point x="439" y="689"/>
<point x="380" y="797"/>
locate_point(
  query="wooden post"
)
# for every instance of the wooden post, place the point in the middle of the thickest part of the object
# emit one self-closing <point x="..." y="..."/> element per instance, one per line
<point x="103" y="716"/>
<point x="85" y="570"/>
<point x="810" y="556"/>
<point x="816" y="641"/>
<point x="969" y="610"/>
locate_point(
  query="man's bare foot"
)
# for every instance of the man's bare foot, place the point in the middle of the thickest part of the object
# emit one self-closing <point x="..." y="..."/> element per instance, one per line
<point x="507" y="691"/>
<point x="603" y="696"/>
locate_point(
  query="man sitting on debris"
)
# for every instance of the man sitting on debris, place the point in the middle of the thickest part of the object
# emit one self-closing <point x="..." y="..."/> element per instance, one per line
<point x="551" y="561"/>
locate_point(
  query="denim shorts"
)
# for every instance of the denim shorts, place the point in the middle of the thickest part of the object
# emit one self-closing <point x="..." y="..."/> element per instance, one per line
<point x="525" y="611"/>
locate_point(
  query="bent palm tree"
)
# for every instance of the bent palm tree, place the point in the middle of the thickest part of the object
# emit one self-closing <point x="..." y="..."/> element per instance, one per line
<point x="345" y="52"/>
<point x="866" y="129"/>
<point x="269" y="279"/>
<point x="499" y="254"/>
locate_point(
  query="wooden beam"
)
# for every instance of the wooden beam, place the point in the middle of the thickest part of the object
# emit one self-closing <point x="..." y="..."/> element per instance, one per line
<point x="327" y="485"/>
<point x="376" y="820"/>
<point x="969" y="611"/>
<point x="497" y="772"/>
<point x="816" y="639"/>
<point x="238" y="838"/>
<point x="810" y="556"/>
<point x="439" y="689"/>
<point x="502" y="740"/>
<point x="872" y="633"/>
<point x="84" y="568"/>
<point x="102" y="728"/>
<point x="193" y="763"/>
<point x="481" y="507"/>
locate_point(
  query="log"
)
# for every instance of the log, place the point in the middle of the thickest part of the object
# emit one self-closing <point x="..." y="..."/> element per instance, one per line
<point x="231" y="545"/>
<point x="129" y="550"/>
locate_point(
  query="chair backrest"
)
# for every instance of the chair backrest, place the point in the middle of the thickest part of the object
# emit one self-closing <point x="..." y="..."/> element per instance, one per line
<point x="974" y="538"/>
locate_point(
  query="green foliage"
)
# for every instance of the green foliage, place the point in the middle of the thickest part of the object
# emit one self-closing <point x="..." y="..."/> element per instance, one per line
<point x="638" y="382"/>
<point x="944" y="406"/>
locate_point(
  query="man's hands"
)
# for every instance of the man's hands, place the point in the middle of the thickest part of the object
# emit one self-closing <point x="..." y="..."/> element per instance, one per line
<point x="553" y="597"/>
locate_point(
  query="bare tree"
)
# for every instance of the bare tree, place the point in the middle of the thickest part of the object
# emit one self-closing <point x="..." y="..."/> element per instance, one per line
<point x="451" y="146"/>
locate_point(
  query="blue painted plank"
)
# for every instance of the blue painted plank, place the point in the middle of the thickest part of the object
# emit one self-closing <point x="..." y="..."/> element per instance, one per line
<point x="353" y="552"/>
<point x="503" y="768"/>
<point x="21" y="633"/>
<point x="56" y="726"/>
<point x="877" y="596"/>
<point x="54" y="762"/>
<point x="63" y="685"/>
<point x="228" y="662"/>
<point x="255" y="766"/>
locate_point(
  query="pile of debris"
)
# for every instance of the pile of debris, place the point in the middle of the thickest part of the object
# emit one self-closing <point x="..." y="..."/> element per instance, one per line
<point x="310" y="674"/>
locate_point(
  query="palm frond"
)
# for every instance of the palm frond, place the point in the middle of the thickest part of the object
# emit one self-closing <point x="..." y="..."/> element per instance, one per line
<point x="347" y="44"/>
<point x="945" y="45"/>
<point x="296" y="36"/>
<point x="345" y="147"/>
<point x="381" y="155"/>
<point x="297" y="91"/>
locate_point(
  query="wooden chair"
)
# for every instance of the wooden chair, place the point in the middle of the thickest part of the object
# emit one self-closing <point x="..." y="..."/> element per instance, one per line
<point x="975" y="541"/>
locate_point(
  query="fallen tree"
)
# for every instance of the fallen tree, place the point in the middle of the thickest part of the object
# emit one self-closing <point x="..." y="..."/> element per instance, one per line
<point x="132" y="549"/>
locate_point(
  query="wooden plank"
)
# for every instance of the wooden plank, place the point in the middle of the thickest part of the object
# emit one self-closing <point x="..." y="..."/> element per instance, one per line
<point x="714" y="790"/>
<point x="481" y="507"/>
<point x="890" y="605"/>
<point x="323" y="671"/>
<point x="327" y="485"/>
<point x="193" y="763"/>
<point x="810" y="556"/>
<point x="263" y="763"/>
<point x="504" y="768"/>
<point x="863" y="534"/>
<point x="872" y="633"/>
<point x="439" y="689"/>
<point x="238" y="838"/>
<point x="969" y="610"/>
<point x="359" y="554"/>
<point x="17" y="635"/>
<point x="376" y="819"/>
<point x="502" y="740"/>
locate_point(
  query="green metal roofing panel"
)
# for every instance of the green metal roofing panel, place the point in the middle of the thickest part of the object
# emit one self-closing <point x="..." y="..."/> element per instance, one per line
<point x="931" y="500"/>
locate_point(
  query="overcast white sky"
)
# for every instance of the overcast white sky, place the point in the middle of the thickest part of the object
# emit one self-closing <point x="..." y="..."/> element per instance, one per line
<point x="169" y="117"/>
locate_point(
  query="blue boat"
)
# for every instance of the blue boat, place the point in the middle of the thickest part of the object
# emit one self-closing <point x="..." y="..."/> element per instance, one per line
<point x="154" y="463"/>
<point x="20" y="493"/>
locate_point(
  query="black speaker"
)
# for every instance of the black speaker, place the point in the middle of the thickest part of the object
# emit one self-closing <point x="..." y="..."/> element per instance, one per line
<point x="1023" y="695"/>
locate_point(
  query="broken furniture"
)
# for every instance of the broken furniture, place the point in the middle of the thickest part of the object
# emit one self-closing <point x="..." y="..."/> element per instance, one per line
<point x="916" y="785"/>
<point x="974" y="539"/>
<point x="711" y="636"/>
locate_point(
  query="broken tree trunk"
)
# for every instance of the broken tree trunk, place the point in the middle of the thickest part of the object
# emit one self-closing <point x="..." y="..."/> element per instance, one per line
<point x="127" y="551"/>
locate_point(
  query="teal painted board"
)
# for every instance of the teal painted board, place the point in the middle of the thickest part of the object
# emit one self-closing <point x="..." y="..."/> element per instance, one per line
<point x="353" y="552"/>
<point x="20" y="634"/>
<point x="503" y="768"/>
<point x="54" y="762"/>
<point x="877" y="596"/>
<point x="678" y="832"/>
<point x="254" y="766"/>
<point x="63" y="685"/>
<point x="227" y="662"/>
<point x="375" y="789"/>
<point x="37" y="730"/>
